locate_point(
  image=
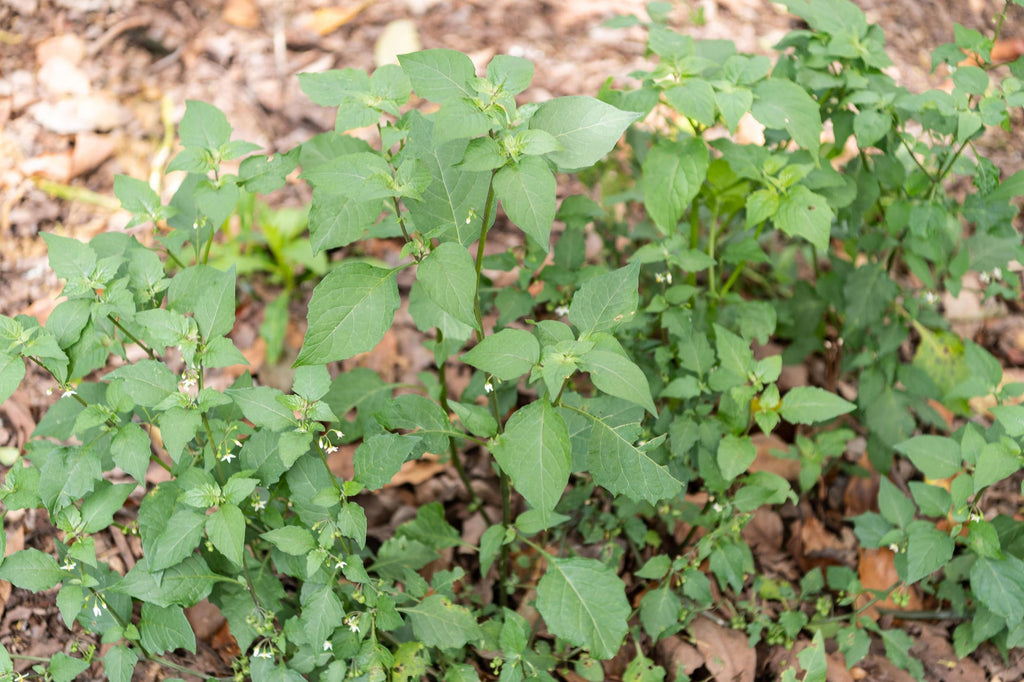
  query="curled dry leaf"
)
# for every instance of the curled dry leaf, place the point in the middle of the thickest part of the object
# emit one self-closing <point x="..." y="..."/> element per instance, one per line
<point x="877" y="571"/>
<point x="726" y="652"/>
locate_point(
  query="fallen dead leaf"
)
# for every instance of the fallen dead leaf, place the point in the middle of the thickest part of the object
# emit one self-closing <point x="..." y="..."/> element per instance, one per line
<point x="398" y="37"/>
<point x="67" y="46"/>
<point x="241" y="13"/>
<point x="59" y="76"/>
<point x="814" y="546"/>
<point x="417" y="471"/>
<point x="90" y="150"/>
<point x="767" y="459"/>
<point x="677" y="655"/>
<point x="96" y="111"/>
<point x="329" y="19"/>
<point x="727" y="654"/>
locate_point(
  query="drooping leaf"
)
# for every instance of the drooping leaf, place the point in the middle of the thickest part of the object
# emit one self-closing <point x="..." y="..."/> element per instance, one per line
<point x="673" y="172"/>
<point x="936" y="456"/>
<point x="534" y="452"/>
<point x="802" y="213"/>
<point x="584" y="602"/>
<point x="507" y="354"/>
<point x="605" y="301"/>
<point x="527" y="193"/>
<point x="165" y="629"/>
<point x="785" y="105"/>
<point x="448" y="276"/>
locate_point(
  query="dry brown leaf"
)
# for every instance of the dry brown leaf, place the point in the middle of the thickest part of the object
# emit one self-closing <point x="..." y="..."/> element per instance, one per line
<point x="767" y="460"/>
<point x="241" y="13"/>
<point x="67" y="46"/>
<point x="727" y="654"/>
<point x="861" y="494"/>
<point x="329" y="19"/>
<point x="673" y="653"/>
<point x="417" y="471"/>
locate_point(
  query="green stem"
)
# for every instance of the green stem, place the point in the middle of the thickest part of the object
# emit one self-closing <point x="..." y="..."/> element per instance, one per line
<point x="149" y="351"/>
<point x="694" y="234"/>
<point x="484" y="227"/>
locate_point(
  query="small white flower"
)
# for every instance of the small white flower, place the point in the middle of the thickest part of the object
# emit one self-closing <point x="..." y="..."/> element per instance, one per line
<point x="49" y="391"/>
<point x="68" y="392"/>
<point x="717" y="507"/>
<point x="665" y="277"/>
<point x="227" y="457"/>
<point x="488" y="387"/>
<point x="238" y="443"/>
<point x="997" y="273"/>
<point x="352" y="623"/>
<point x="259" y="505"/>
<point x="69" y="565"/>
<point x="340" y="564"/>
<point x="262" y="653"/>
<point x="894" y="548"/>
<point x="562" y="311"/>
<point x="985" y="278"/>
<point x="328" y="646"/>
<point x="931" y="297"/>
<point x="97" y="610"/>
<point x="331" y="449"/>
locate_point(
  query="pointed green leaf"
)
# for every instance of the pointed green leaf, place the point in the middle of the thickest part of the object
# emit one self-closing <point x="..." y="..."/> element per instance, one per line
<point x="584" y="602"/>
<point x="448" y="276"/>
<point x="294" y="540"/>
<point x="165" y="629"/>
<point x="508" y="354"/>
<point x="999" y="585"/>
<point x="203" y="125"/>
<point x="586" y="128"/>
<point x="32" y="570"/>
<point x="673" y="172"/>
<point x="12" y="371"/>
<point x="936" y="456"/>
<point x="785" y="105"/>
<point x="439" y="75"/>
<point x="534" y="452"/>
<point x="436" y="621"/>
<point x="928" y="550"/>
<point x="379" y="458"/>
<point x="604" y="302"/>
<point x="337" y="220"/>
<point x="207" y="293"/>
<point x="349" y="313"/>
<point x="812" y="405"/>
<point x="322" y="612"/>
<point x="527" y="193"/>
<point x="802" y="213"/>
<point x="735" y="455"/>
<point x="226" y="530"/>
<point x="119" y="663"/>
<point x="615" y="374"/>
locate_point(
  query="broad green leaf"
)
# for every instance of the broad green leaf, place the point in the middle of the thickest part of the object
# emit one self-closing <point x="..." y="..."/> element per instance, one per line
<point x="935" y="456"/>
<point x="534" y="452"/>
<point x="785" y="105"/>
<point x="177" y="427"/>
<point x="183" y="584"/>
<point x="735" y="455"/>
<point x="615" y="374"/>
<point x="694" y="99"/>
<point x="802" y="213"/>
<point x="32" y="570"/>
<point x="928" y="550"/>
<point x="147" y="382"/>
<point x="138" y="198"/>
<point x="812" y="405"/>
<point x="12" y="371"/>
<point x="439" y="75"/>
<point x="99" y="507"/>
<point x="430" y="528"/>
<point x="322" y="612"/>
<point x="362" y="175"/>
<point x="605" y="301"/>
<point x="583" y="601"/>
<point x="294" y="540"/>
<point x="1011" y="418"/>
<point x="69" y="258"/>
<point x="165" y="629"/>
<point x="660" y="609"/>
<point x="420" y="415"/>
<point x="448" y="276"/>
<point x="511" y="74"/>
<point x="618" y="465"/>
<point x="119" y="663"/>
<point x="207" y="293"/>
<point x="349" y="313"/>
<point x="527" y="193"/>
<point x="70" y="600"/>
<point x="379" y="458"/>
<point x="732" y="102"/>
<point x="260" y="405"/>
<point x="870" y="126"/>
<point x="586" y="128"/>
<point x="203" y="125"/>
<point x="64" y="668"/>
<point x="508" y="354"/>
<point x="170" y="529"/>
<point x="337" y="220"/>
<point x="673" y="173"/>
<point x="436" y="621"/>
<point x="331" y="88"/>
<point x="226" y="530"/>
<point x="999" y="585"/>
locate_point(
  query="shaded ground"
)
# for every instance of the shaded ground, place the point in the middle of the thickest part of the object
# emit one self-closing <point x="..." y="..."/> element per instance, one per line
<point x="87" y="86"/>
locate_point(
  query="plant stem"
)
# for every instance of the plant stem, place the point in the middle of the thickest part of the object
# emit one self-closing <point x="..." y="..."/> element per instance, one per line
<point x="694" y="234"/>
<point x="141" y="344"/>
<point x="484" y="227"/>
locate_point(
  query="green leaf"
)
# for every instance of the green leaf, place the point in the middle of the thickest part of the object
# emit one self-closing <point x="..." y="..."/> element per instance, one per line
<point x="511" y="74"/>
<point x="99" y="507"/>
<point x="584" y="602"/>
<point x="439" y="75"/>
<point x="802" y="213"/>
<point x="586" y="128"/>
<point x="119" y="663"/>
<point x="508" y="354"/>
<point x="379" y="458"/>
<point x="1011" y="418"/>
<point x="64" y="668"/>
<point x="322" y="612"/>
<point x="31" y="569"/>
<point x="694" y="99"/>
<point x="621" y="467"/>
<point x="735" y="455"/>
<point x="203" y="125"/>
<point x="812" y="405"/>
<point x="337" y="220"/>
<point x="928" y="550"/>
<point x="612" y="372"/>
<point x="226" y="530"/>
<point x="350" y="311"/>
<point x="602" y="303"/>
<point x="165" y="629"/>
<point x="183" y="584"/>
<point x="448" y="276"/>
<point x="294" y="540"/>
<point x="422" y="416"/>
<point x="935" y="456"/>
<point x="534" y="452"/>
<point x="436" y="621"/>
<point x="147" y="382"/>
<point x="12" y="371"/>
<point x="527" y="193"/>
<point x="170" y="529"/>
<point x="259" y="404"/>
<point x="660" y="609"/>
<point x="70" y="259"/>
<point x="999" y="585"/>
<point x="785" y="105"/>
<point x="870" y="126"/>
<point x="138" y="198"/>
<point x="207" y="293"/>
<point x="673" y="173"/>
<point x="361" y="175"/>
